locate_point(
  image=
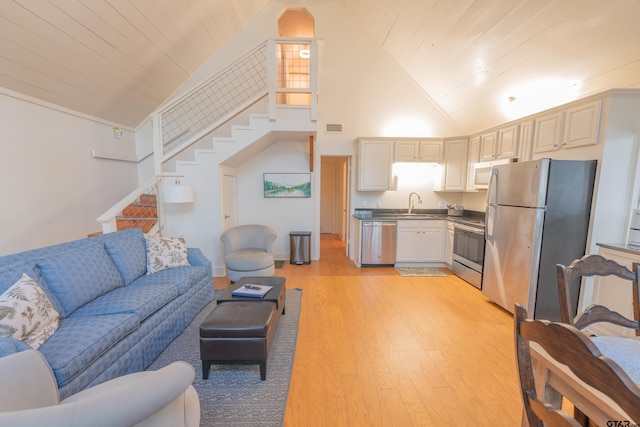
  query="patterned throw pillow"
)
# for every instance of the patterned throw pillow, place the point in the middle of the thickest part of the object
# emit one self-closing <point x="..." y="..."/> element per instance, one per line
<point x="26" y="313"/>
<point x="165" y="252"/>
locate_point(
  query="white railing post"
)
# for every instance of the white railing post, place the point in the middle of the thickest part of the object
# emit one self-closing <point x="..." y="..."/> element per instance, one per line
<point x="109" y="226"/>
<point x="271" y="79"/>
<point x="157" y="143"/>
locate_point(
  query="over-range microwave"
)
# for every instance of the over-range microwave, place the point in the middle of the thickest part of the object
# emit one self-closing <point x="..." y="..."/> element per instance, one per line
<point x="482" y="171"/>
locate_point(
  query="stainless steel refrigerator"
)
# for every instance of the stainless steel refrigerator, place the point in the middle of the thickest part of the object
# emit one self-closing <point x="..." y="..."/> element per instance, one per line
<point x="537" y="216"/>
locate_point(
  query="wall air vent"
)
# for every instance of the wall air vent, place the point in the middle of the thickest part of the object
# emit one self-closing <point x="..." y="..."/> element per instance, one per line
<point x="334" y="128"/>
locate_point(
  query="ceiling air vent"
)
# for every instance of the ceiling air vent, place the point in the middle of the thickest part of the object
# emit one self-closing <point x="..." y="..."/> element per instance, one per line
<point x="334" y="128"/>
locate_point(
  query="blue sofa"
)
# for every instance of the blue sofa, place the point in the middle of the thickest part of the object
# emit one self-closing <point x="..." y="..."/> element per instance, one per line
<point x="114" y="318"/>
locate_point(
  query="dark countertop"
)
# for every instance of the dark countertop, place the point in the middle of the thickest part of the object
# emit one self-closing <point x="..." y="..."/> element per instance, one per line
<point x="623" y="247"/>
<point x="418" y="214"/>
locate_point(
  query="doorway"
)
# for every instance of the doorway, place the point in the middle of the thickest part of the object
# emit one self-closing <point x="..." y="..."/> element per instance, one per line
<point x="334" y="197"/>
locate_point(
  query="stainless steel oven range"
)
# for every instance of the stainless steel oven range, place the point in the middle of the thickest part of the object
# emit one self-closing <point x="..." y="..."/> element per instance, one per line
<point x="468" y="251"/>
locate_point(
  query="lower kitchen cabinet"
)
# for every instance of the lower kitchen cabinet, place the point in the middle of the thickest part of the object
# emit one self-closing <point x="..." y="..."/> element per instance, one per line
<point x="420" y="241"/>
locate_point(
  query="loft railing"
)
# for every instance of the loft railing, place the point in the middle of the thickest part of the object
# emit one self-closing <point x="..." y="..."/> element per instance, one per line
<point x="284" y="70"/>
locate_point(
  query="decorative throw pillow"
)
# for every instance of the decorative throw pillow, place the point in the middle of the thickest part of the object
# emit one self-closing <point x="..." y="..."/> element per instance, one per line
<point x="26" y="313"/>
<point x="165" y="252"/>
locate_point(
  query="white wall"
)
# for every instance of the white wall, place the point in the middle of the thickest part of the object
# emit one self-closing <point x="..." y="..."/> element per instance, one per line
<point x="283" y="214"/>
<point x="422" y="178"/>
<point x="52" y="189"/>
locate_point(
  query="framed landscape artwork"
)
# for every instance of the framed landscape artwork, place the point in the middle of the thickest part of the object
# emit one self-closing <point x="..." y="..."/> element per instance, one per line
<point x="287" y="185"/>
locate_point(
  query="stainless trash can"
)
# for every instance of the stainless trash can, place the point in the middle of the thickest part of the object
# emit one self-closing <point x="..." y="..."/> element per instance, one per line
<point x="300" y="245"/>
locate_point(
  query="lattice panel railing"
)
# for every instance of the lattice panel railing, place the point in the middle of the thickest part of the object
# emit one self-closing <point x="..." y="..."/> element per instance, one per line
<point x="223" y="94"/>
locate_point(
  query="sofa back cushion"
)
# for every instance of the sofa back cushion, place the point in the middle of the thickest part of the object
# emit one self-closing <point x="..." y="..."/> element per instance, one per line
<point x="80" y="275"/>
<point x="10" y="274"/>
<point x="130" y="257"/>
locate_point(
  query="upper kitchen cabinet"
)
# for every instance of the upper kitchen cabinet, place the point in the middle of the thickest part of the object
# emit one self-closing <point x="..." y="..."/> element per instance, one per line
<point x="473" y="158"/>
<point x="582" y="125"/>
<point x="488" y="144"/>
<point x="547" y="132"/>
<point x="524" y="140"/>
<point x="500" y="144"/>
<point x="574" y="126"/>
<point x="455" y="165"/>
<point x="427" y="150"/>
<point x="375" y="157"/>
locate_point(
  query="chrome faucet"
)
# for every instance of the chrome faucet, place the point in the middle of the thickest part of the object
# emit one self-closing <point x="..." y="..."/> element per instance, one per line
<point x="411" y="203"/>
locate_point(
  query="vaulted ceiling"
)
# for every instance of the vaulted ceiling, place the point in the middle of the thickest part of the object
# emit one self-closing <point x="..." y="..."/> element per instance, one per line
<point x="120" y="59"/>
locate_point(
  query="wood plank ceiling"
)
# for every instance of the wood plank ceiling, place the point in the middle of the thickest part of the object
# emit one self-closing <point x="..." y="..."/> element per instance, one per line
<point x="112" y="59"/>
<point x="119" y="59"/>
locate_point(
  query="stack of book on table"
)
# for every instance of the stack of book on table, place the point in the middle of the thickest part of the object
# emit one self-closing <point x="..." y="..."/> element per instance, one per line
<point x="251" y="291"/>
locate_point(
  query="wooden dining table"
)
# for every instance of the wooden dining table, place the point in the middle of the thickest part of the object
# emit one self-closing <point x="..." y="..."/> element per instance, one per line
<point x="556" y="382"/>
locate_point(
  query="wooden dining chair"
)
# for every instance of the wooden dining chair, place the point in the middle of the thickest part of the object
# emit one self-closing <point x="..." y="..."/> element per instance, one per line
<point x="567" y="345"/>
<point x="596" y="265"/>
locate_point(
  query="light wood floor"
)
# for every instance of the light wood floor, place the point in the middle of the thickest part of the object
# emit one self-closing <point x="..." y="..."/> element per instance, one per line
<point x="378" y="349"/>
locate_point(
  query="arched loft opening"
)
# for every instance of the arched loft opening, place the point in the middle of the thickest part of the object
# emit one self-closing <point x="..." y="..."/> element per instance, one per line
<point x="294" y="57"/>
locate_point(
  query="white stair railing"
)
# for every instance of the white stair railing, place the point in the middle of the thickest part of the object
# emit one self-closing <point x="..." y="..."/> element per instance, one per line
<point x="285" y="70"/>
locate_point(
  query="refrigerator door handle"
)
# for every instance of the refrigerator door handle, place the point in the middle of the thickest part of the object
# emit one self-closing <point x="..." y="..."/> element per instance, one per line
<point x="492" y="188"/>
<point x="489" y="223"/>
<point x="488" y="215"/>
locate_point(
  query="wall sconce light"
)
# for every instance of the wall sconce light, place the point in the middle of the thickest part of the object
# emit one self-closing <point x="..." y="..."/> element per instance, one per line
<point x="305" y="53"/>
<point x="176" y="192"/>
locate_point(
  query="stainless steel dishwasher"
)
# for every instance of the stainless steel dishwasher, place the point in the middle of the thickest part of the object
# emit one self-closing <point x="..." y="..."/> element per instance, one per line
<point x="378" y="246"/>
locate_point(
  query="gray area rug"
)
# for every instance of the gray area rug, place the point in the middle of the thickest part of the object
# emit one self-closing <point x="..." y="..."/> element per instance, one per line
<point x="234" y="395"/>
<point x="420" y="271"/>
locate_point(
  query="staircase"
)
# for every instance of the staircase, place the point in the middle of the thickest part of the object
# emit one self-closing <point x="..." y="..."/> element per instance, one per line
<point x="142" y="213"/>
<point x="253" y="80"/>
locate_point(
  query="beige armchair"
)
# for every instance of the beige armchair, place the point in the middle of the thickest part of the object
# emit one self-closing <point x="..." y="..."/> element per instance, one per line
<point x="248" y="251"/>
<point x="29" y="397"/>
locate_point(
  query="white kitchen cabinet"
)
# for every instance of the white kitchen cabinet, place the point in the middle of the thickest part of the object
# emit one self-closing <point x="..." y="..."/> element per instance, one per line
<point x="582" y="125"/>
<point x="449" y="244"/>
<point x="500" y="144"/>
<point x="473" y="158"/>
<point x="488" y="144"/>
<point x="507" y="145"/>
<point x="575" y="126"/>
<point x="420" y="241"/>
<point x="612" y="292"/>
<point x="524" y="141"/>
<point x="418" y="151"/>
<point x="547" y="132"/>
<point x="375" y="158"/>
<point x="455" y="165"/>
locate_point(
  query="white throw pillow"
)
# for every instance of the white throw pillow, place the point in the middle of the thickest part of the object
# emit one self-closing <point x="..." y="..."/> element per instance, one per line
<point x="26" y="313"/>
<point x="165" y="252"/>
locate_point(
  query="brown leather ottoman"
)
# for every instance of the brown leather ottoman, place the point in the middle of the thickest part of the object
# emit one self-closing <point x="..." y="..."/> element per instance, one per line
<point x="238" y="332"/>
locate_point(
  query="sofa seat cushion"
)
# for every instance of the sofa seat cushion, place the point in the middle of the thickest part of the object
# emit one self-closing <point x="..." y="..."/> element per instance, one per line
<point x="141" y="299"/>
<point x="80" y="275"/>
<point x="248" y="260"/>
<point x="184" y="278"/>
<point x="129" y="255"/>
<point x="80" y="341"/>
